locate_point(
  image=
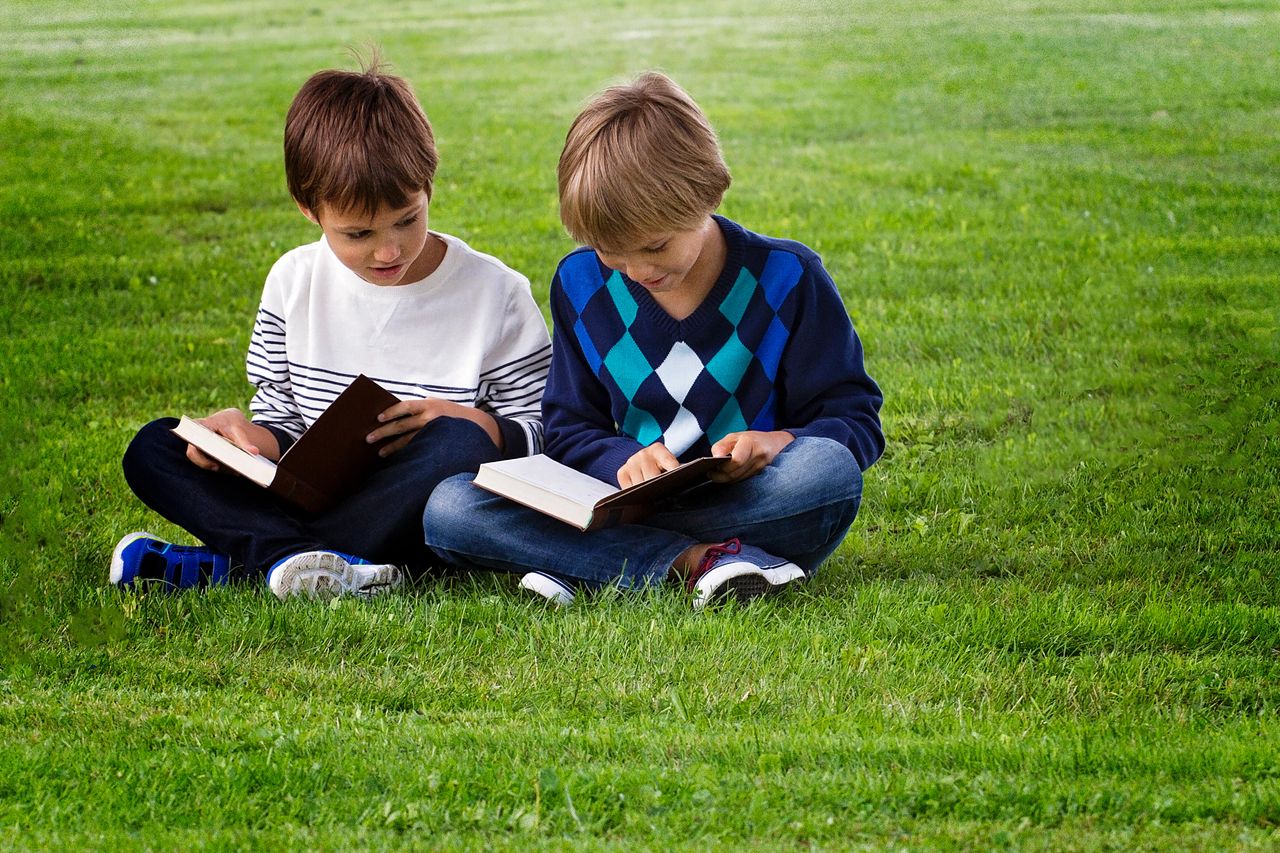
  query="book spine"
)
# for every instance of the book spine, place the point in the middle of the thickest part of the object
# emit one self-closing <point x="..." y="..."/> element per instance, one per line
<point x="298" y="493"/>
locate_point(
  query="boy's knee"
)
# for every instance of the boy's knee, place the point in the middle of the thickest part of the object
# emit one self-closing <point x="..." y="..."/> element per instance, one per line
<point x="463" y="442"/>
<point x="822" y="466"/>
<point x="153" y="439"/>
<point x="448" y="508"/>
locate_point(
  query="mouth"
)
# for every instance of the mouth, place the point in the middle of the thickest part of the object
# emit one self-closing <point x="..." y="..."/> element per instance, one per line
<point x="650" y="285"/>
<point x="387" y="272"/>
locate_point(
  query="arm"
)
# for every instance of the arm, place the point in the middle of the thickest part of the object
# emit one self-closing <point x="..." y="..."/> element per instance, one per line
<point x="513" y="374"/>
<point x="267" y="365"/>
<point x="405" y="418"/>
<point x="576" y="410"/>
<point x="824" y="389"/>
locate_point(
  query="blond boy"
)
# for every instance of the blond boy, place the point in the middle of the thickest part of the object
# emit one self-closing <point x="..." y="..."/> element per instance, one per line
<point x="678" y="333"/>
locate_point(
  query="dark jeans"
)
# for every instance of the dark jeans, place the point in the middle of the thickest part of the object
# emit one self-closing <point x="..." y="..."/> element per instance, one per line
<point x="381" y="521"/>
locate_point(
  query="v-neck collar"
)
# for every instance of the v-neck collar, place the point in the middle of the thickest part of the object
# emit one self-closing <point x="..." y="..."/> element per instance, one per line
<point x="735" y="254"/>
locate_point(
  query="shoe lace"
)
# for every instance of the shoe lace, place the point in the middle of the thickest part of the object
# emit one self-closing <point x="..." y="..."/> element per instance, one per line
<point x="715" y="552"/>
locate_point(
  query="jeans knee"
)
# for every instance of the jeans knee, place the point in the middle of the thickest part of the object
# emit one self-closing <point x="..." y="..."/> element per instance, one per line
<point x="150" y="442"/>
<point x="464" y="444"/>
<point x="447" y="510"/>
<point x="820" y="467"/>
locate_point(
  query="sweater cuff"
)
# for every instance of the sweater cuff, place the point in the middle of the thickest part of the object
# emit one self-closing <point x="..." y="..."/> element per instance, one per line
<point x="284" y="439"/>
<point x="605" y="466"/>
<point x="515" y="441"/>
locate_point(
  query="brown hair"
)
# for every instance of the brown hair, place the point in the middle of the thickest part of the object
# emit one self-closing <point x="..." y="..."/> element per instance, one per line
<point x="640" y="158"/>
<point x="358" y="141"/>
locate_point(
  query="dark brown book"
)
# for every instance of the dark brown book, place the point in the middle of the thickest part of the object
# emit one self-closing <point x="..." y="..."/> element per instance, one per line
<point x="321" y="467"/>
<point x="555" y="489"/>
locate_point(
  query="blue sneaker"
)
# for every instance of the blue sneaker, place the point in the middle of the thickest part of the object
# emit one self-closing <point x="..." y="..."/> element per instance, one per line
<point x="141" y="558"/>
<point x="329" y="574"/>
<point x="547" y="586"/>
<point x="740" y="572"/>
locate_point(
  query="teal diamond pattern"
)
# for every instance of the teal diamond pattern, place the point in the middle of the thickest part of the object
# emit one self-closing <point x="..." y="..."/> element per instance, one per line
<point x="729" y="420"/>
<point x="641" y="426"/>
<point x="730" y="363"/>
<point x="627" y="365"/>
<point x="622" y="299"/>
<point x="735" y="304"/>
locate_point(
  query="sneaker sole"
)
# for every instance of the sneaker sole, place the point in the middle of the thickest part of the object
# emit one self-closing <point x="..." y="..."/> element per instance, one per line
<point x="318" y="582"/>
<point x="745" y="586"/>
<point x="547" y="589"/>
<point x="333" y="577"/>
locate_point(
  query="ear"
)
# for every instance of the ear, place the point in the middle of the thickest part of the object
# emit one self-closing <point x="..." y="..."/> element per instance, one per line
<point x="306" y="211"/>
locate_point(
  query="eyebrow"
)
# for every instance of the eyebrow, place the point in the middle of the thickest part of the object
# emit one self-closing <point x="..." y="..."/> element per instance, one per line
<point x="355" y="229"/>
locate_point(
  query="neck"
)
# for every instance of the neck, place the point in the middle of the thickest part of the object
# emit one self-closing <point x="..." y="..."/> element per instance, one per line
<point x="428" y="260"/>
<point x="702" y="276"/>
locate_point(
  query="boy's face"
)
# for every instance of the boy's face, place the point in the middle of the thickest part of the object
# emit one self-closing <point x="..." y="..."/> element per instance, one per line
<point x="387" y="248"/>
<point x="664" y="261"/>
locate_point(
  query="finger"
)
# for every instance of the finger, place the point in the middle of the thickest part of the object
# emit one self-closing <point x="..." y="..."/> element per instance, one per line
<point x="627" y="475"/>
<point x="728" y="473"/>
<point x="662" y="457"/>
<point x="743" y="451"/>
<point x="394" y="411"/>
<point x="199" y="459"/>
<point x="392" y="446"/>
<point x="241" y="439"/>
<point x="648" y="469"/>
<point x="399" y="426"/>
<point x="724" y="446"/>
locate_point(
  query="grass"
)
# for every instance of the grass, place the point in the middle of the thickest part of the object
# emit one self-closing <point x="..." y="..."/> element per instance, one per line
<point x="1054" y="625"/>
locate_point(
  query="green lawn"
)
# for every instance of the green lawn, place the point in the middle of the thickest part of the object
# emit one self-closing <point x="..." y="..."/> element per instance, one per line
<point x="1055" y="625"/>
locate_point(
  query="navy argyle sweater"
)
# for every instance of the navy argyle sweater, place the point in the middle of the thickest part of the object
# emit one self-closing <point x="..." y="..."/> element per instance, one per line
<point x="770" y="348"/>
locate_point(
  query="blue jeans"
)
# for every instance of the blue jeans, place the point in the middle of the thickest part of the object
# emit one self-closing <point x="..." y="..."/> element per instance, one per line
<point x="799" y="508"/>
<point x="380" y="521"/>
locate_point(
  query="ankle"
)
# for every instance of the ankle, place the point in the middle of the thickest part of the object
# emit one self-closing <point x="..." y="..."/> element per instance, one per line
<point x="688" y="561"/>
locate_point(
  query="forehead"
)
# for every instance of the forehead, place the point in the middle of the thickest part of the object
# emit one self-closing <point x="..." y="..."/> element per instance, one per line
<point x="336" y="216"/>
<point x="646" y="240"/>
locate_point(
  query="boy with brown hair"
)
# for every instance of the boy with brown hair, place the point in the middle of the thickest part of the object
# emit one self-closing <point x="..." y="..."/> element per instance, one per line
<point x="451" y="332"/>
<point x="678" y="334"/>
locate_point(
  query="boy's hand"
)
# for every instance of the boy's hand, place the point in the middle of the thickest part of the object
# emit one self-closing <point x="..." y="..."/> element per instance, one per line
<point x="647" y="464"/>
<point x="232" y="425"/>
<point x="405" y="418"/>
<point x="749" y="453"/>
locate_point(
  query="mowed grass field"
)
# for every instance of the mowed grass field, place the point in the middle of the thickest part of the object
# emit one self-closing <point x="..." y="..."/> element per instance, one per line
<point x="1056" y="226"/>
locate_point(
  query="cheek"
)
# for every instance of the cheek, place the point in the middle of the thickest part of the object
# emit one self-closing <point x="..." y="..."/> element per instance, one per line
<point x="350" y="254"/>
<point x="685" y="262"/>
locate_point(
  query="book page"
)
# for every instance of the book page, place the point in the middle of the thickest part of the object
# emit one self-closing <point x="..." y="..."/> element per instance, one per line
<point x="546" y="474"/>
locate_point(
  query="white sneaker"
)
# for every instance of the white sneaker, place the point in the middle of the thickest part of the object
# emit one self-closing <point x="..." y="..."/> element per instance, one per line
<point x="329" y="574"/>
<point x="741" y="572"/>
<point x="549" y="587"/>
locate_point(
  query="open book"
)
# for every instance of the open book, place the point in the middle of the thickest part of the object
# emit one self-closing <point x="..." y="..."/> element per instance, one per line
<point x="541" y="483"/>
<point x="323" y="465"/>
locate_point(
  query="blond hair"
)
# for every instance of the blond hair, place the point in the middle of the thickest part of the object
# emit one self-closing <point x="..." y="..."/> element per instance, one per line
<point x="358" y="141"/>
<point x="640" y="158"/>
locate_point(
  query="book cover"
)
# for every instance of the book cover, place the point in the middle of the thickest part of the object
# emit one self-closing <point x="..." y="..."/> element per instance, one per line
<point x="554" y="489"/>
<point x="324" y="464"/>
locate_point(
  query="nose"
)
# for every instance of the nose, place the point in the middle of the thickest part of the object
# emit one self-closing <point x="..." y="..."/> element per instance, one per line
<point x="638" y="272"/>
<point x="386" y="252"/>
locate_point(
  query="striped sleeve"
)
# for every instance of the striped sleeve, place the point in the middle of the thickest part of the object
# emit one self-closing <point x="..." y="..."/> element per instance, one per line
<point x="514" y="375"/>
<point x="267" y="366"/>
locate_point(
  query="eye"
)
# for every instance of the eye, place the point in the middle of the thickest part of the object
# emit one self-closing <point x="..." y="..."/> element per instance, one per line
<point x="405" y="223"/>
<point x="653" y="250"/>
<point x="357" y="235"/>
